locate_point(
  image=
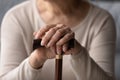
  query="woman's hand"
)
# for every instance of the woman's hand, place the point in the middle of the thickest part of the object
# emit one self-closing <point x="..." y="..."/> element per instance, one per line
<point x="56" y="39"/>
<point x="40" y="55"/>
<point x="59" y="36"/>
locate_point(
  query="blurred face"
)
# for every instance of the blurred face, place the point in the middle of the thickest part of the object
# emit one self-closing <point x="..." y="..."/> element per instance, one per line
<point x="66" y="6"/>
<point x="66" y="3"/>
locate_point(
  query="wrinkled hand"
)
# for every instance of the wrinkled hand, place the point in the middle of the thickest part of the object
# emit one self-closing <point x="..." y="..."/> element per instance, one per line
<point x="56" y="39"/>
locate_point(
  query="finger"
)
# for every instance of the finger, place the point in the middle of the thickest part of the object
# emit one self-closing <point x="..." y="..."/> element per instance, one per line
<point x="59" y="49"/>
<point x="65" y="47"/>
<point x="43" y="30"/>
<point x="48" y="35"/>
<point x="65" y="39"/>
<point x="56" y="37"/>
<point x="34" y="33"/>
<point x="53" y="49"/>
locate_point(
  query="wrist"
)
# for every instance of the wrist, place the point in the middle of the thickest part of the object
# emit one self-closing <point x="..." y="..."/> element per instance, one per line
<point x="36" y="66"/>
<point x="35" y="62"/>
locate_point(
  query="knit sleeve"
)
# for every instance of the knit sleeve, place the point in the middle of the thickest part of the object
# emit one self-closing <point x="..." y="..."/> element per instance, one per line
<point x="98" y="62"/>
<point x="14" y="57"/>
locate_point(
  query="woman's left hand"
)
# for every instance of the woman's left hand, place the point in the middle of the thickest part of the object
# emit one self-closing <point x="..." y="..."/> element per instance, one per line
<point x="58" y="35"/>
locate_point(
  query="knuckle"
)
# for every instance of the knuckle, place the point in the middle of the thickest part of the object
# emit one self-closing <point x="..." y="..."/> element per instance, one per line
<point x="59" y="31"/>
<point x="67" y="30"/>
<point x="67" y="37"/>
<point x="53" y="30"/>
<point x="46" y="33"/>
<point x="58" y="44"/>
<point x="42" y="30"/>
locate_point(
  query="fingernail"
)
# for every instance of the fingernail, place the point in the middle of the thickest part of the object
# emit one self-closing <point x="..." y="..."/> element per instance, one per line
<point x="42" y="43"/>
<point x="59" y="52"/>
<point x="64" y="49"/>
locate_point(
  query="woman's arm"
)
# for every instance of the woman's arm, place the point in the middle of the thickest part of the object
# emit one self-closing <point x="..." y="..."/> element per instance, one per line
<point x="98" y="62"/>
<point x="14" y="55"/>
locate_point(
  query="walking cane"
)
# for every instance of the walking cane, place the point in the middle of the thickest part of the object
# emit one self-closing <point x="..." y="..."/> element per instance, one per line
<point x="58" y="58"/>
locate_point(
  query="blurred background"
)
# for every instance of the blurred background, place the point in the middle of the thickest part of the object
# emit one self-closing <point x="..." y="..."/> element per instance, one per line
<point x="113" y="6"/>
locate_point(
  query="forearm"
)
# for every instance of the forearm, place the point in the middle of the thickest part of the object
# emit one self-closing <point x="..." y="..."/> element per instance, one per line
<point x="23" y="72"/>
<point x="85" y="68"/>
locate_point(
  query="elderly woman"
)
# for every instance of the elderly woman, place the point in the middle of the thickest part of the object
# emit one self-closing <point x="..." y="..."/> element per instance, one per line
<point x="56" y="22"/>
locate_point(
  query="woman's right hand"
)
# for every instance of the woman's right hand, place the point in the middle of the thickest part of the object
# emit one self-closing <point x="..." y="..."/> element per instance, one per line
<point x="40" y="55"/>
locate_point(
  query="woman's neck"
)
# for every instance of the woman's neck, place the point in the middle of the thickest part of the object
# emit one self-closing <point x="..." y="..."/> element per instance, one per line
<point x="57" y="14"/>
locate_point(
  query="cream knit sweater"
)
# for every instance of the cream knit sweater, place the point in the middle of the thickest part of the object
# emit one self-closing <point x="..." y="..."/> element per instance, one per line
<point x="96" y="33"/>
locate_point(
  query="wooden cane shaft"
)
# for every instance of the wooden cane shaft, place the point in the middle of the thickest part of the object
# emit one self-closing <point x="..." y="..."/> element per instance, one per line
<point x="58" y="67"/>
